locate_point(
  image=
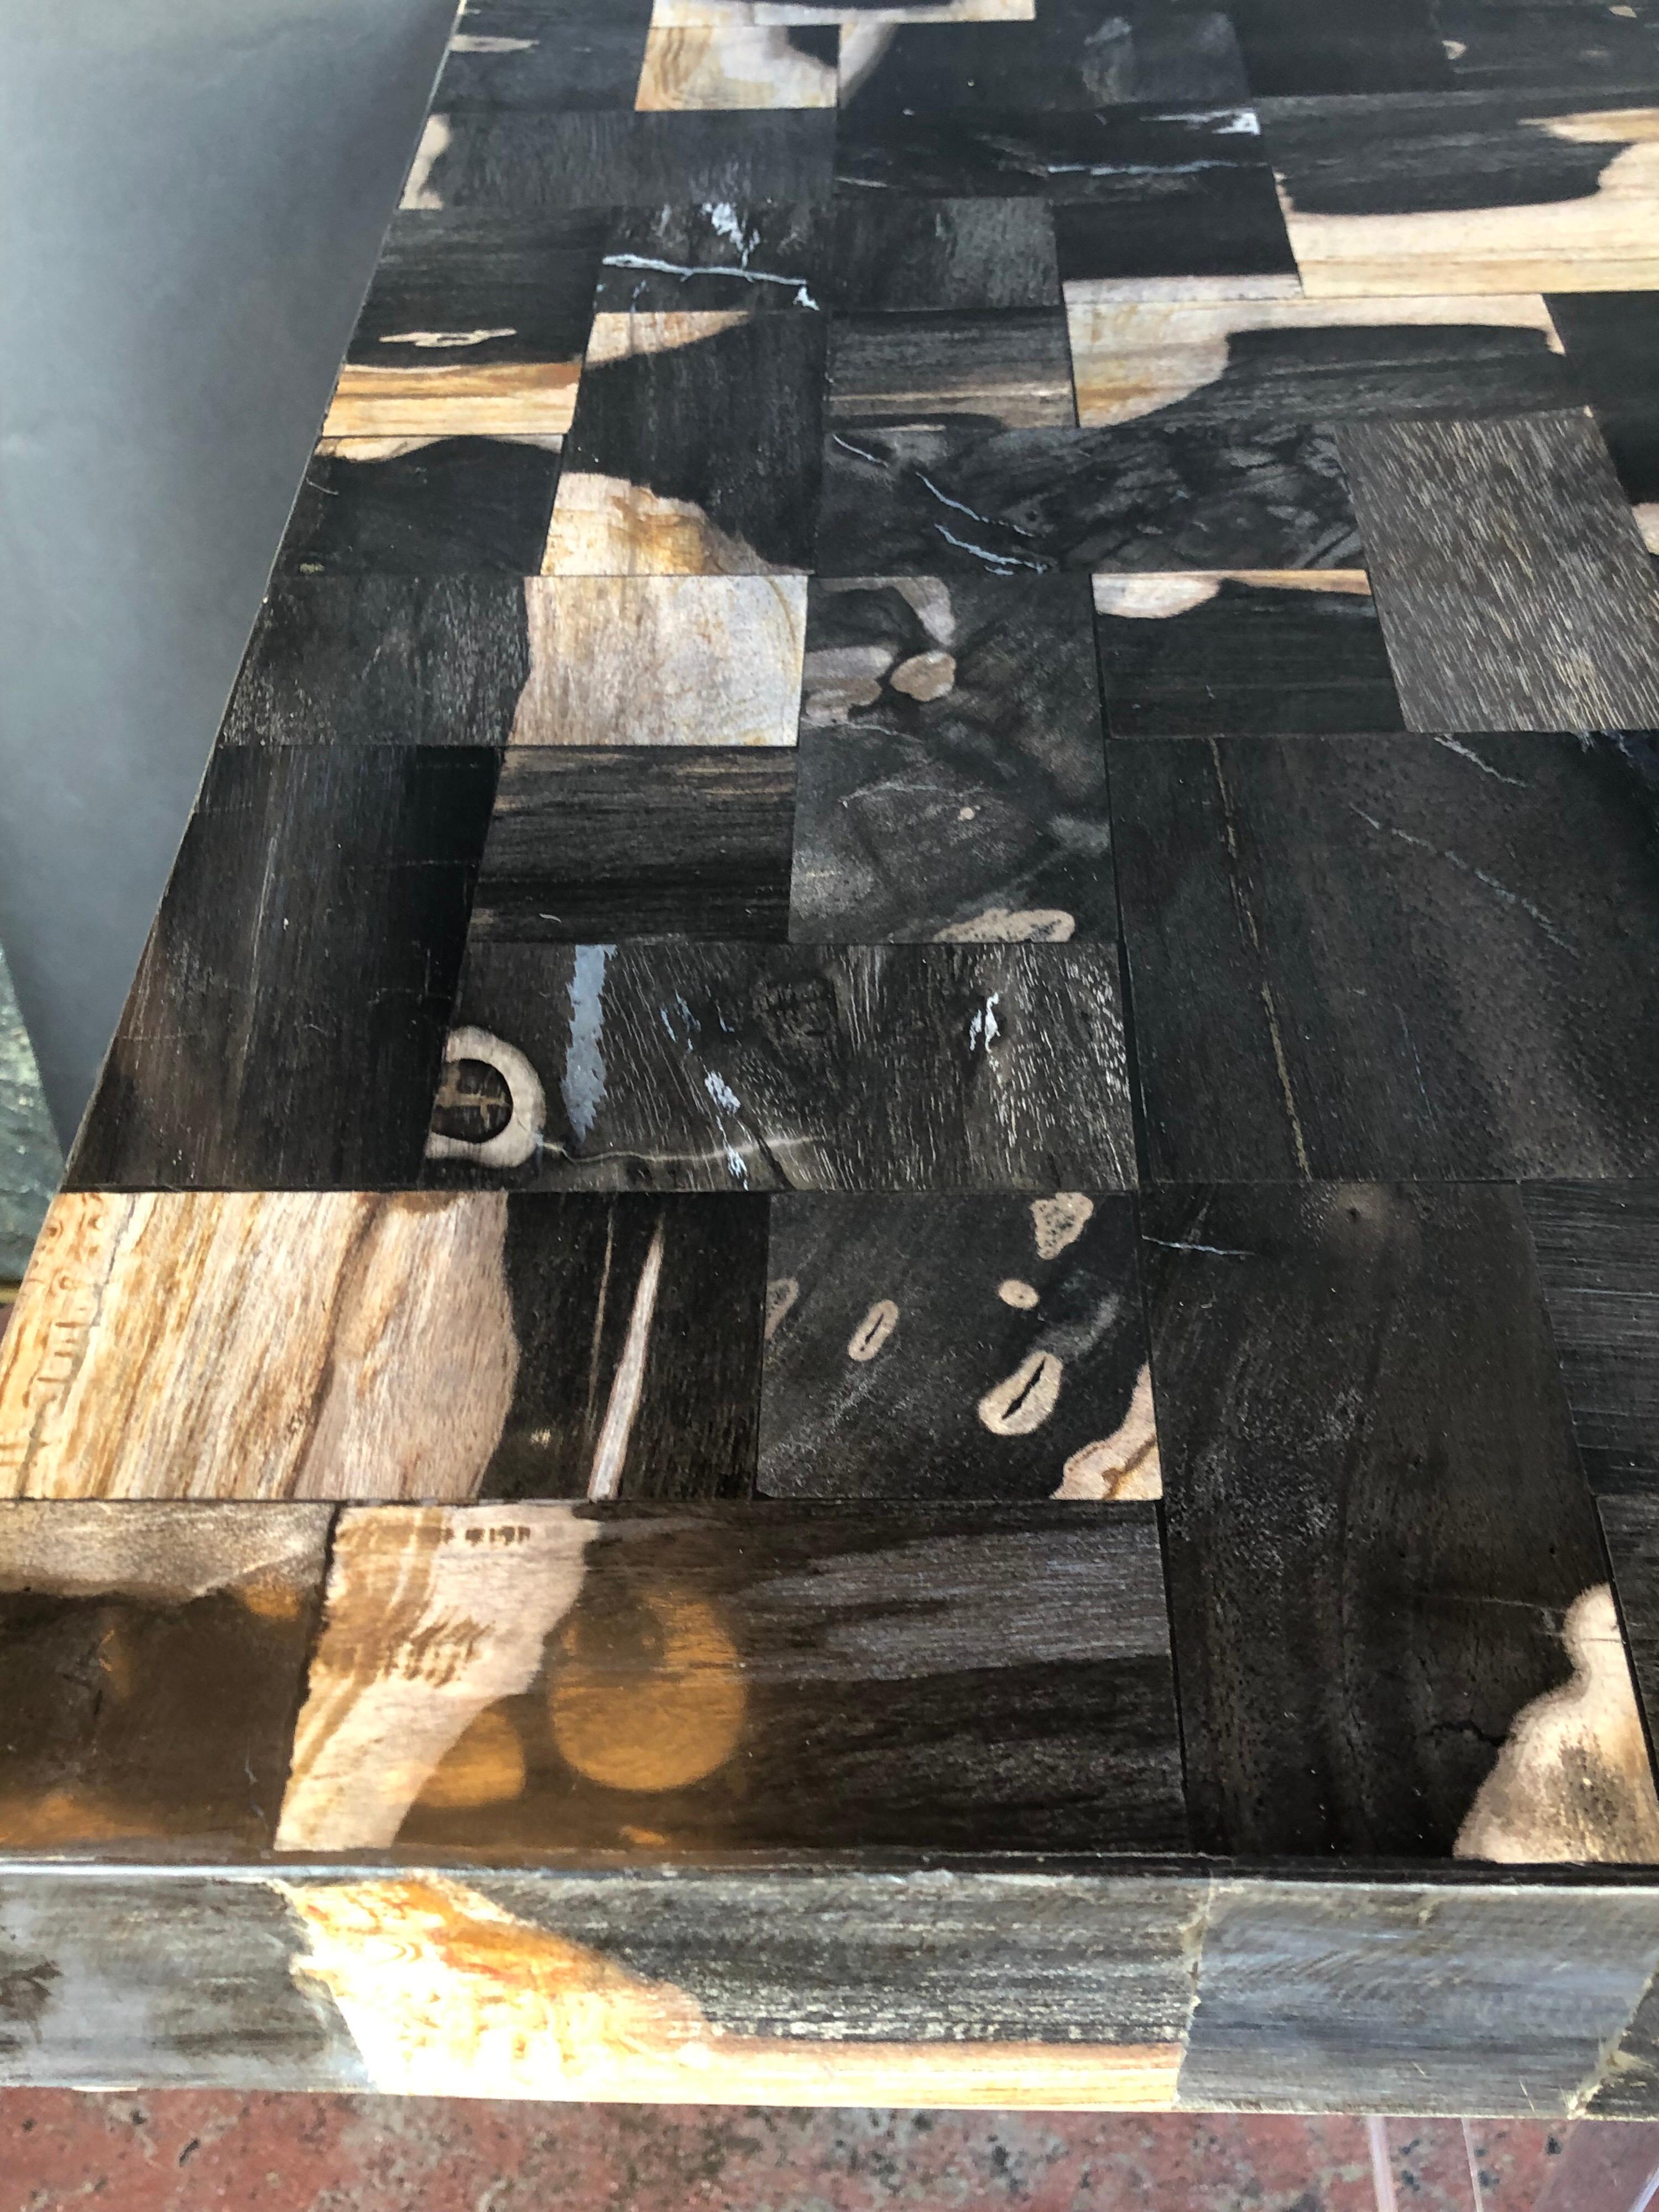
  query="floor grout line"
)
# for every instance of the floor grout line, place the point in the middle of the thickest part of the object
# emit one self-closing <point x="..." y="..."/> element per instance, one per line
<point x="1377" y="2134"/>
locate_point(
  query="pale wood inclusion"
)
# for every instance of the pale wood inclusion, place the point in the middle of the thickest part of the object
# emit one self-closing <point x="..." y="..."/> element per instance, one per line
<point x="259" y="1345"/>
<point x="444" y="1992"/>
<point x="728" y="67"/>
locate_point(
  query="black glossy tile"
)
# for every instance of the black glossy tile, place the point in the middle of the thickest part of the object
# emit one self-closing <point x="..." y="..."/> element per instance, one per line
<point x="787" y="1677"/>
<point x="530" y="163"/>
<point x="1212" y="229"/>
<point x="1511" y="580"/>
<point x="715" y="259"/>
<point x="1342" y="46"/>
<point x="1278" y="655"/>
<point x="155" y="1658"/>
<point x="1371" y="1579"/>
<point x="1011" y="368"/>
<point x="1287" y="361"/>
<point x="516" y="292"/>
<point x="928" y="501"/>
<point x="952" y="779"/>
<point x="287" y="1024"/>
<point x="681" y="841"/>
<point x="383" y="660"/>
<point x="902" y="255"/>
<point x="983" y="1346"/>
<point x="760" y="1067"/>
<point x="1597" y="1246"/>
<point x="520" y="53"/>
<point x="454" y="504"/>
<point x="695" y="447"/>
<point x="1072" y="56"/>
<point x="636" y="1325"/>
<point x="1400" y="956"/>
<point x="1612" y="342"/>
<point x="1497" y="45"/>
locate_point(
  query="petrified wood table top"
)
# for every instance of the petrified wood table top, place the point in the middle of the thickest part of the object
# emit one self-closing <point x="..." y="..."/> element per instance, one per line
<point x="864" y="1305"/>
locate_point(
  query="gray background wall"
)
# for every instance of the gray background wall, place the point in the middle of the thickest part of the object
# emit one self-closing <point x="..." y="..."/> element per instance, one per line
<point x="194" y="192"/>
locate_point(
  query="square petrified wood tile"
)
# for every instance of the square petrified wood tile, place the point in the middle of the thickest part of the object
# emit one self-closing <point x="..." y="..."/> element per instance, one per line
<point x="986" y="1345"/>
<point x="1246" y="361"/>
<point x="471" y="324"/>
<point x="420" y="506"/>
<point x="953" y="781"/>
<point x="700" y="1678"/>
<point x="448" y="1346"/>
<point x="1381" y="1587"/>
<point x="1298" y="652"/>
<point x="720" y="1068"/>
<point x="906" y="255"/>
<point x="713" y="259"/>
<point x="683" y="841"/>
<point x="695" y="449"/>
<point x="1398" y="956"/>
<point x="1011" y="367"/>
<point x="952" y="497"/>
<point x="1477" y="191"/>
<point x="1212" y="230"/>
<point x="155" y="1658"/>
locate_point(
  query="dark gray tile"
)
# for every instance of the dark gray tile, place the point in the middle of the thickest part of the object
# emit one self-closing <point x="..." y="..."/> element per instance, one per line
<point x="527" y="163"/>
<point x="895" y="254"/>
<point x="981" y="1347"/>
<point x="953" y="778"/>
<point x="715" y="259"/>
<point x="1597" y="1246"/>
<point x="517" y="292"/>
<point x="1012" y="368"/>
<point x="753" y="1067"/>
<point x="1392" y="956"/>
<point x="425" y="508"/>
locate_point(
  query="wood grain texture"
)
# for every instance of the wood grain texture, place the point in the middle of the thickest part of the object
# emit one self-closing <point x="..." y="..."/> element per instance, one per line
<point x="1598" y="1258"/>
<point x="420" y="507"/>
<point x="1541" y="191"/>
<point x="1331" y="1997"/>
<point x="766" y="1067"/>
<point x="1298" y="652"/>
<point x="698" y="258"/>
<point x="956" y="499"/>
<point x="383" y="660"/>
<point x="1340" y="47"/>
<point x="786" y="1676"/>
<point x="921" y="254"/>
<point x="521" y="163"/>
<point x="1391" y="957"/>
<point x="525" y="54"/>
<point x="979" y="1347"/>
<point x="680" y="841"/>
<point x="287" y="1024"/>
<point x="695" y="449"/>
<point x="1011" y="367"/>
<point x="1374" y="1587"/>
<point x="952" y="777"/>
<point x="1536" y="608"/>
<point x="155" y="1658"/>
<point x="738" y="68"/>
<point x="662" y="660"/>
<point x="1289" y="361"/>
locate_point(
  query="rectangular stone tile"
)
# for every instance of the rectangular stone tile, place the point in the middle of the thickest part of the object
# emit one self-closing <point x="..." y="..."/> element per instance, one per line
<point x="981" y="1346"/>
<point x="287" y="1023"/>
<point x="952" y="776"/>
<point x="1243" y="360"/>
<point x="1010" y="367"/>
<point x="1340" y="47"/>
<point x="1475" y="191"/>
<point x="695" y="448"/>
<point x="1210" y="231"/>
<point x="1381" y="1584"/>
<point x="957" y="498"/>
<point x="869" y="14"/>
<point x="523" y="163"/>
<point x="759" y="1067"/>
<point x="430" y="1338"/>
<point x="907" y="255"/>
<point x="1295" y="652"/>
<point x="743" y="67"/>
<point x="1391" y="957"/>
<point x="1513" y="586"/>
<point x="524" y="54"/>
<point x="704" y="1678"/>
<point x="155" y="1657"/>
<point x="1597" y="1246"/>
<point x="683" y="840"/>
<point x="703" y="259"/>
<point x="423" y="507"/>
